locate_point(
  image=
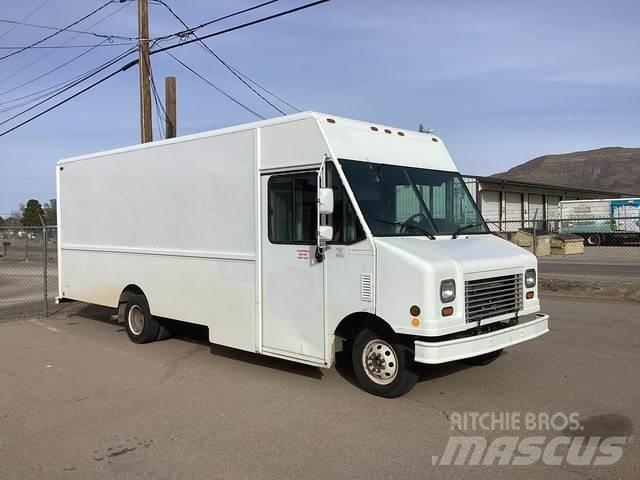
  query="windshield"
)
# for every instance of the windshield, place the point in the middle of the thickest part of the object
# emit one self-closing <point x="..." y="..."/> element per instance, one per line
<point x="397" y="200"/>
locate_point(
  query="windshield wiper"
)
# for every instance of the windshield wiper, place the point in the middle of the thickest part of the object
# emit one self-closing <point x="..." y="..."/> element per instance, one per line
<point x="466" y="227"/>
<point x="427" y="233"/>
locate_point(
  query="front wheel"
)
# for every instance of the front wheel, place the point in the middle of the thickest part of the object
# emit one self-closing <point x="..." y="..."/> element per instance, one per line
<point x="382" y="365"/>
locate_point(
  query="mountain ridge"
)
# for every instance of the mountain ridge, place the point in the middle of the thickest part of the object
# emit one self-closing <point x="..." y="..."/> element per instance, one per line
<point x="613" y="169"/>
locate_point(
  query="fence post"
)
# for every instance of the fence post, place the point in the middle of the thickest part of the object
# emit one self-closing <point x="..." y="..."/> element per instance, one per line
<point x="535" y="237"/>
<point x="45" y="267"/>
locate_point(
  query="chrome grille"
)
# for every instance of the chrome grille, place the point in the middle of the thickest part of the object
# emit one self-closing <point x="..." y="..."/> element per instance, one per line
<point x="490" y="297"/>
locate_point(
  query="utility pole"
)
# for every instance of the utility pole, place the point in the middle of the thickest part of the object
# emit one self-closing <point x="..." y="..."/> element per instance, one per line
<point x="146" y="132"/>
<point x="170" y="106"/>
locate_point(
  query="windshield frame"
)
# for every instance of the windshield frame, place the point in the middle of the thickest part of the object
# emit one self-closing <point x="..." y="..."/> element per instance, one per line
<point x="412" y="232"/>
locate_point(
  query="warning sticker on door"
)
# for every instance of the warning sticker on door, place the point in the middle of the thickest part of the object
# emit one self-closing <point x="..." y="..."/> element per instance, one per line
<point x="302" y="253"/>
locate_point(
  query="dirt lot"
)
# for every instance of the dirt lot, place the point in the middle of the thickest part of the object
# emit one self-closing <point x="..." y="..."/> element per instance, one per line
<point x="78" y="401"/>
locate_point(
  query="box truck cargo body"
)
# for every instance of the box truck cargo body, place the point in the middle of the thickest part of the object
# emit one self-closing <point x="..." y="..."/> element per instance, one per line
<point x="288" y="237"/>
<point x="602" y="221"/>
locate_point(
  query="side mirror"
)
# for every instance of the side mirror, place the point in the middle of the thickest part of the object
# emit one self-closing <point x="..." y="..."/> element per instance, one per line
<point x="325" y="233"/>
<point x="325" y="201"/>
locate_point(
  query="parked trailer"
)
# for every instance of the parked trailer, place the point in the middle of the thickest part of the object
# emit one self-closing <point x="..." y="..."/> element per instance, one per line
<point x="294" y="237"/>
<point x="603" y="221"/>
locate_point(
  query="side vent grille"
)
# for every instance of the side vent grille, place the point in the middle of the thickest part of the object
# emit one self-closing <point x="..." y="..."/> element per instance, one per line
<point x="366" y="287"/>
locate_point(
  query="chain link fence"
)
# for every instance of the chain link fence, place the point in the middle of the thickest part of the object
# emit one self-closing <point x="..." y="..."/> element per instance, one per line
<point x="586" y="256"/>
<point x="582" y="256"/>
<point x="28" y="271"/>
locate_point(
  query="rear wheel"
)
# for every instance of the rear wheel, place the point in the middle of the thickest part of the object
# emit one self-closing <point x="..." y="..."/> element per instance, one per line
<point x="382" y="365"/>
<point x="484" y="359"/>
<point x="593" y="239"/>
<point x="140" y="324"/>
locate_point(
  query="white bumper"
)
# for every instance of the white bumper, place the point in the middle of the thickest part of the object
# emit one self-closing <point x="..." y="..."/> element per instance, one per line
<point x="459" y="348"/>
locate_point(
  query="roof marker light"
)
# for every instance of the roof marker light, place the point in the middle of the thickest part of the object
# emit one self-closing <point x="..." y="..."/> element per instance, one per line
<point x="331" y="120"/>
<point x="375" y="129"/>
<point x="433" y="139"/>
<point x="386" y="130"/>
<point x="401" y="134"/>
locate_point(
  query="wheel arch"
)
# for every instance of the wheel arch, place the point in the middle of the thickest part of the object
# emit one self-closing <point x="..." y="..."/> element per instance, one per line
<point x="350" y="325"/>
<point x="129" y="290"/>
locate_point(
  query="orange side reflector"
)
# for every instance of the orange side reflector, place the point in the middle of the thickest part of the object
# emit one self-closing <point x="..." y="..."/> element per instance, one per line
<point x="447" y="311"/>
<point x="415" y="322"/>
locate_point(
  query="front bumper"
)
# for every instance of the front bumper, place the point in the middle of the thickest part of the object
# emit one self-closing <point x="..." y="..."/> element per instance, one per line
<point x="466" y="347"/>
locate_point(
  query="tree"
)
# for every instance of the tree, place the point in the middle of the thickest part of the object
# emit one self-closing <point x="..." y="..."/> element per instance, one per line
<point x="1" y="221"/>
<point x="50" y="212"/>
<point x="31" y="213"/>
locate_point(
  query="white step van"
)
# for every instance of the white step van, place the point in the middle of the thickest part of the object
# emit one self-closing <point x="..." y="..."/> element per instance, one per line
<point x="294" y="237"/>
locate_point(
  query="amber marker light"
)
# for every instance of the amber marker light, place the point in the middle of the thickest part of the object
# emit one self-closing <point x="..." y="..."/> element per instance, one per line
<point x="331" y="120"/>
<point x="375" y="129"/>
<point x="415" y="322"/>
<point x="529" y="295"/>
<point x="447" y="311"/>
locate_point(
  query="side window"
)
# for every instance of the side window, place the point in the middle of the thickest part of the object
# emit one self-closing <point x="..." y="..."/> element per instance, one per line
<point x="346" y="226"/>
<point x="292" y="208"/>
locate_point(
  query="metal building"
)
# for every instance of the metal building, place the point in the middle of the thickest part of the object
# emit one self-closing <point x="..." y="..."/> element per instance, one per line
<point x="508" y="204"/>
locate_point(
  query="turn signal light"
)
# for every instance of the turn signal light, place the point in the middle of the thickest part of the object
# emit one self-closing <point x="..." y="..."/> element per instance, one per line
<point x="447" y="311"/>
<point x="415" y="322"/>
<point x="529" y="295"/>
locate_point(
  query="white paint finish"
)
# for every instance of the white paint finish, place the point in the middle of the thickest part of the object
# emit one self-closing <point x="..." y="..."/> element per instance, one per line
<point x="213" y="292"/>
<point x="184" y="220"/>
<point x="451" y="350"/>
<point x="292" y="144"/>
<point x="164" y="197"/>
<point x="292" y="297"/>
<point x="344" y="267"/>
<point x="410" y="270"/>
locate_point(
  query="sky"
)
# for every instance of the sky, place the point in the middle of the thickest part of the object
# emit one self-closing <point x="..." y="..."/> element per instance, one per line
<point x="500" y="81"/>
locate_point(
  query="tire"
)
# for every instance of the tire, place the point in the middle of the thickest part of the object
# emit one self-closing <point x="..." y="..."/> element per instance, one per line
<point x="140" y="324"/>
<point x="484" y="359"/>
<point x="382" y="365"/>
<point x="593" y="240"/>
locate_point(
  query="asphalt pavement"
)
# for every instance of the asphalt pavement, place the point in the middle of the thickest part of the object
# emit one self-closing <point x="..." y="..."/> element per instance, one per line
<point x="78" y="400"/>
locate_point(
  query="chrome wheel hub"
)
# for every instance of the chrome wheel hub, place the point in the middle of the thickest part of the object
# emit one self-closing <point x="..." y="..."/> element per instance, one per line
<point x="380" y="362"/>
<point x="136" y="320"/>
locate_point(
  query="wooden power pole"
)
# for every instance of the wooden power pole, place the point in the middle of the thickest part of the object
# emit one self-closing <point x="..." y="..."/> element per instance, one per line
<point x="146" y="132"/>
<point x="170" y="106"/>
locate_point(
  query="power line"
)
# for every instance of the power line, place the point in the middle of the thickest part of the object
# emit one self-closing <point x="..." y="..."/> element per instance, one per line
<point x="11" y="29"/>
<point x="165" y="49"/>
<point x="60" y="45"/>
<point x="57" y="32"/>
<point x="217" y="57"/>
<point x="58" y="29"/>
<point x="62" y="102"/>
<point x="68" y="87"/>
<point x="219" y="19"/>
<point x="234" y="100"/>
<point x="238" y="27"/>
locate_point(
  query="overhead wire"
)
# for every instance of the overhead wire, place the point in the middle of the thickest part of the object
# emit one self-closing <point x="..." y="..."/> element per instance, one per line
<point x="26" y="17"/>
<point x="217" y="57"/>
<point x="163" y="49"/>
<point x="42" y="40"/>
<point x="36" y="60"/>
<point x="211" y="84"/>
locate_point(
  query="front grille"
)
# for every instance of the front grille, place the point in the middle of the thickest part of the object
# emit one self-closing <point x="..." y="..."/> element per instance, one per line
<point x="490" y="297"/>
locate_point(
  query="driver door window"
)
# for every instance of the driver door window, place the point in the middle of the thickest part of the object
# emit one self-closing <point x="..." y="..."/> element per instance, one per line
<point x="293" y="208"/>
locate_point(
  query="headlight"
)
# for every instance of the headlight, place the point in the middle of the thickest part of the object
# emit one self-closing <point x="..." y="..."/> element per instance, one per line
<point x="530" y="278"/>
<point x="448" y="291"/>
